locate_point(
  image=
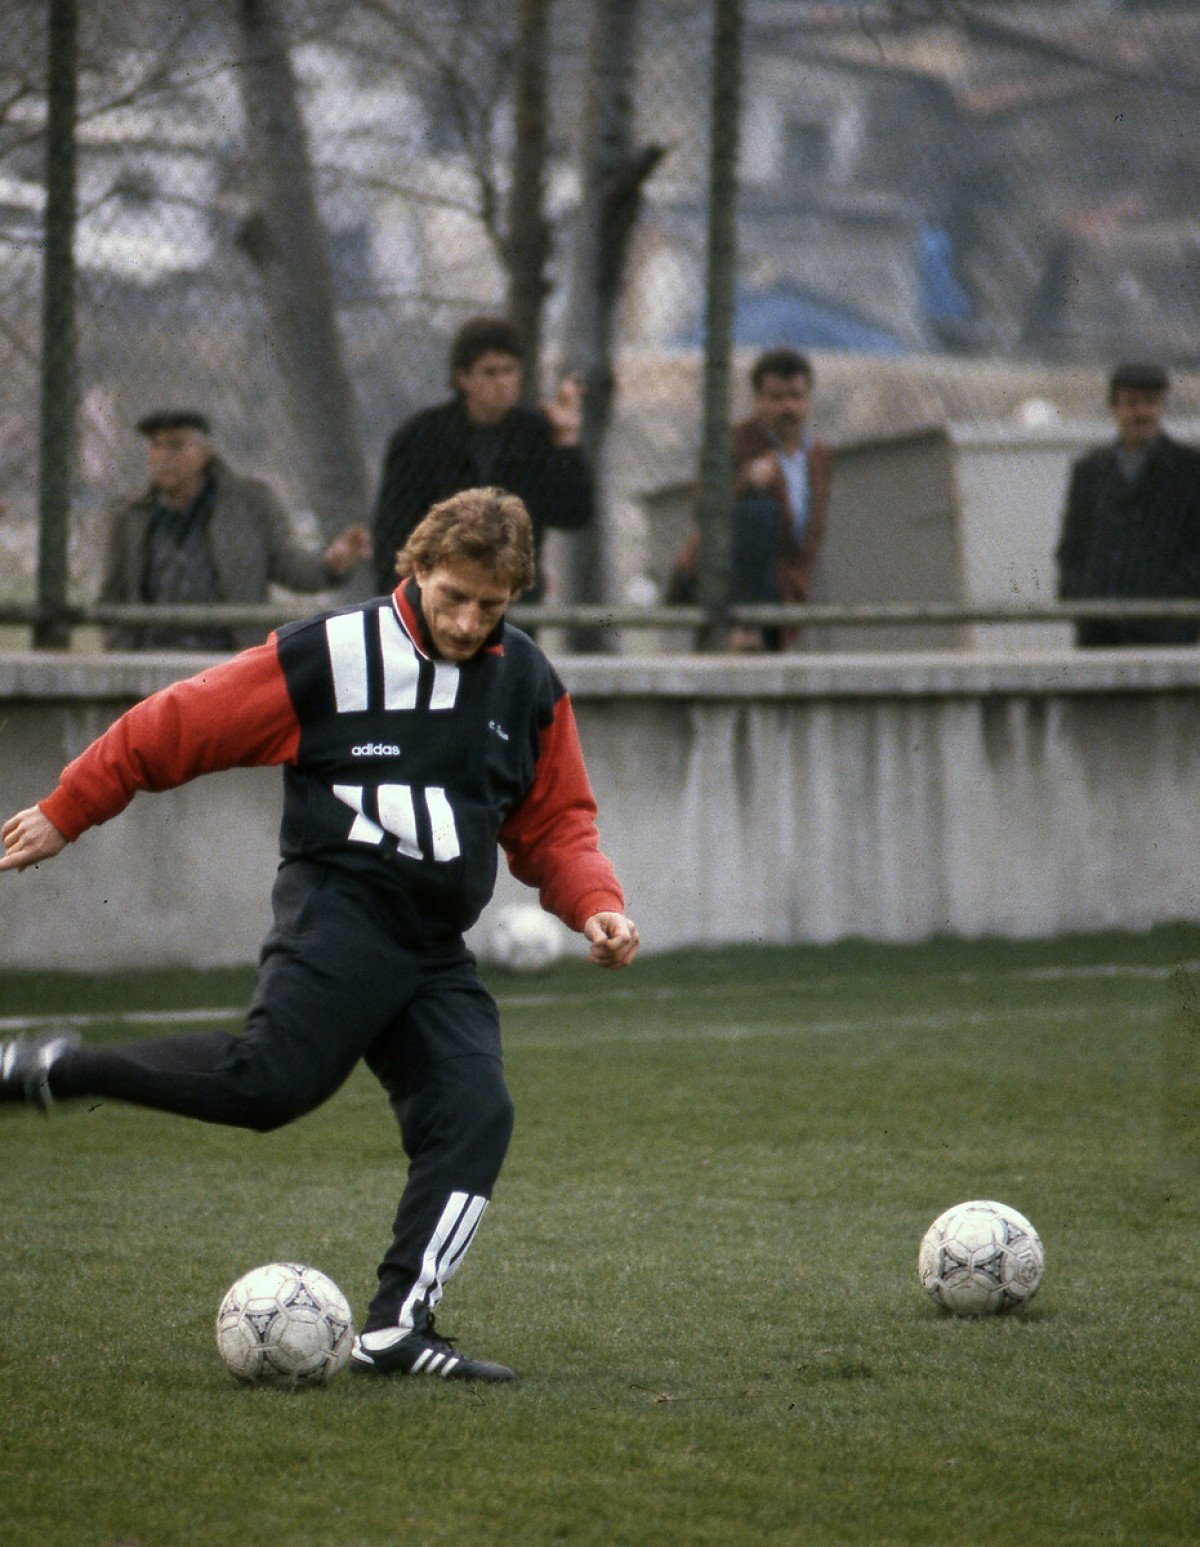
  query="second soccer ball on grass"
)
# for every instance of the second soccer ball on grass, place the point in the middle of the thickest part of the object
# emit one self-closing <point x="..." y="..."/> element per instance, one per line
<point x="979" y="1258"/>
<point x="525" y="938"/>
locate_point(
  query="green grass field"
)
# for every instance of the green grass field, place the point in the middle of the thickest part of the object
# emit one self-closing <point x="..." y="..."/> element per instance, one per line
<point x="701" y="1258"/>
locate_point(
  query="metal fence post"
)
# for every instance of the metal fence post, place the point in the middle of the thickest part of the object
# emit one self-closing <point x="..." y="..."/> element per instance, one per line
<point x="718" y="315"/>
<point x="59" y="363"/>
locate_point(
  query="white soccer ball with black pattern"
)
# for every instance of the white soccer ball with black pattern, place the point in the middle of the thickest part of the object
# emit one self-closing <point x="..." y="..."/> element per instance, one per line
<point x="284" y="1325"/>
<point x="525" y="938"/>
<point x="981" y="1257"/>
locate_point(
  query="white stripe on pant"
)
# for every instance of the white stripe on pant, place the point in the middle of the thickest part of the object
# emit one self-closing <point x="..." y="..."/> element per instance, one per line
<point x="446" y="1250"/>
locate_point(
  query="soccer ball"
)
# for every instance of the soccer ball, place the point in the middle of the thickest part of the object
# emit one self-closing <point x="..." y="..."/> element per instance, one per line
<point x="525" y="938"/>
<point x="284" y="1325"/>
<point x="978" y="1258"/>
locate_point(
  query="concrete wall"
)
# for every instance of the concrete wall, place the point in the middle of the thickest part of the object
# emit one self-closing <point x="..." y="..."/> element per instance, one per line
<point x="762" y="800"/>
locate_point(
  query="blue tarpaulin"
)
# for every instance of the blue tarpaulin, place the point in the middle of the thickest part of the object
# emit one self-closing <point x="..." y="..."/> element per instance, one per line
<point x="789" y="314"/>
<point x="942" y="296"/>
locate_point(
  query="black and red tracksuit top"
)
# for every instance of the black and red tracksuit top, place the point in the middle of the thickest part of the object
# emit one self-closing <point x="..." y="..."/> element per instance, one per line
<point x="398" y="766"/>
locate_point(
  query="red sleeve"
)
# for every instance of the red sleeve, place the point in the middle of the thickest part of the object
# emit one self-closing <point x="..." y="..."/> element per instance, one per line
<point x="235" y="715"/>
<point x="550" y="839"/>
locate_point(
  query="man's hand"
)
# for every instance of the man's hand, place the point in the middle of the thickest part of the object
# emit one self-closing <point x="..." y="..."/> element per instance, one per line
<point x="565" y="412"/>
<point x="346" y="550"/>
<point x="614" y="939"/>
<point x="29" y="838"/>
<point x="762" y="472"/>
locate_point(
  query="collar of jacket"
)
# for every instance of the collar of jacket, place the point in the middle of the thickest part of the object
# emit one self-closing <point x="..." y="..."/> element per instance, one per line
<point x="406" y="599"/>
<point x="1151" y="450"/>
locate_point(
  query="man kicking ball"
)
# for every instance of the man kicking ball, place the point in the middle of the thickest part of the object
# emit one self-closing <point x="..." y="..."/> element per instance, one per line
<point x="416" y="731"/>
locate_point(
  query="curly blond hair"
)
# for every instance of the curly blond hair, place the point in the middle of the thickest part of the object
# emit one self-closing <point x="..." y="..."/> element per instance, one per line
<point x="483" y="526"/>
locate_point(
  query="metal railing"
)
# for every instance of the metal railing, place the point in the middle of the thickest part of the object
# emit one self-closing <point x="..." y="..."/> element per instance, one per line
<point x="870" y="614"/>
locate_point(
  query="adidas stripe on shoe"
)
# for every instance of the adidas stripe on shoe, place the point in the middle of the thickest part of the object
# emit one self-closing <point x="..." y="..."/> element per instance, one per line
<point x="25" y="1064"/>
<point x="423" y="1352"/>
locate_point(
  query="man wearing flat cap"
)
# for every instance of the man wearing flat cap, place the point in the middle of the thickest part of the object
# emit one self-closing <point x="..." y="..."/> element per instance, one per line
<point x="202" y="532"/>
<point x="1131" y="527"/>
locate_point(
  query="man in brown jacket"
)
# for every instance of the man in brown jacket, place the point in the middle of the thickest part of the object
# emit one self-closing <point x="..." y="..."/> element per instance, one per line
<point x="781" y="479"/>
<point x="780" y="491"/>
<point x="201" y="533"/>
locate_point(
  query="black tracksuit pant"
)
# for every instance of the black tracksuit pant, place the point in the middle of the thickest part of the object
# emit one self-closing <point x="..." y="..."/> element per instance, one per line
<point x="336" y="985"/>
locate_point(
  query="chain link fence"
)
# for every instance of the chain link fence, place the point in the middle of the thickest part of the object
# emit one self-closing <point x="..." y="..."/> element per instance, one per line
<point x="963" y="212"/>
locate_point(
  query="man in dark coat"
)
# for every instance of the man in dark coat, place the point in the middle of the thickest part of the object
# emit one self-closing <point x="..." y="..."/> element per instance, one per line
<point x="483" y="436"/>
<point x="1131" y="527"/>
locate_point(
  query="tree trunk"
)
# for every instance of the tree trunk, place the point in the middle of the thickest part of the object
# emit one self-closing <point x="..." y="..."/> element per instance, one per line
<point x="613" y="173"/>
<point x="286" y="242"/>
<point x="527" y="241"/>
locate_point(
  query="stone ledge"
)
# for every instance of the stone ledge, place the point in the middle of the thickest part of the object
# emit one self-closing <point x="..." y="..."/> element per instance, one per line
<point x="877" y="675"/>
<point x="49" y="676"/>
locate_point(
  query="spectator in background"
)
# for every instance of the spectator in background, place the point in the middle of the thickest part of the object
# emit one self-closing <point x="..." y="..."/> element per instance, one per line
<point x="482" y="436"/>
<point x="781" y="480"/>
<point x="202" y="532"/>
<point x="1131" y="526"/>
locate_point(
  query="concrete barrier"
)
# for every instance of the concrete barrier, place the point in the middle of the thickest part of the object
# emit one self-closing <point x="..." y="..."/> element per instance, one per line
<point x="787" y="799"/>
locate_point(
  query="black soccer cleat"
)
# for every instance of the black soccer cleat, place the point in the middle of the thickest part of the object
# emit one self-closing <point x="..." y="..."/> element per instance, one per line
<point x="423" y="1352"/>
<point x="25" y="1064"/>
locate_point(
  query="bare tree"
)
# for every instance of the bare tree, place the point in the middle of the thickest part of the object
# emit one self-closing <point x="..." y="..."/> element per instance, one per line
<point x="614" y="172"/>
<point x="484" y="63"/>
<point x="286" y="241"/>
<point x="527" y="241"/>
<point x="463" y="59"/>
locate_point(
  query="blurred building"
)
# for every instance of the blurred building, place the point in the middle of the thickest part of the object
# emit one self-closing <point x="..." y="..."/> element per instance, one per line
<point x="1008" y="180"/>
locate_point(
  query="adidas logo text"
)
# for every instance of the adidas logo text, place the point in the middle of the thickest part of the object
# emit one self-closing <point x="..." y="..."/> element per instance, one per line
<point x="375" y="749"/>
